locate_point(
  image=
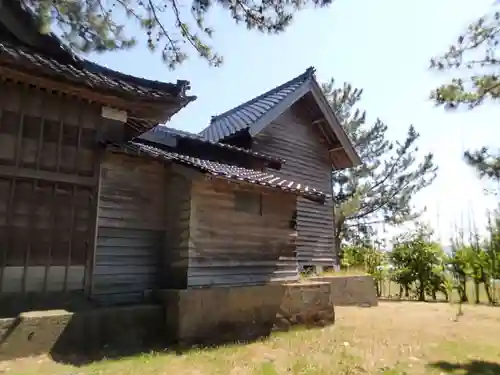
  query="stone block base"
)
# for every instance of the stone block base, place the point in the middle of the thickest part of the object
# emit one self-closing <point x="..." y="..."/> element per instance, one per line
<point x="216" y="315"/>
<point x="309" y="304"/>
<point x="351" y="290"/>
<point x="65" y="334"/>
<point x="193" y="316"/>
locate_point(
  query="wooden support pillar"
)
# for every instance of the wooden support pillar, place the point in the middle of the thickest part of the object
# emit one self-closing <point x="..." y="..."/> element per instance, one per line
<point x="111" y="129"/>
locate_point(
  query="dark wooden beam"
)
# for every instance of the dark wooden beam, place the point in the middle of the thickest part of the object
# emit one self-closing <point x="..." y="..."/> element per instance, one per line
<point x="161" y="138"/>
<point x="13" y="172"/>
<point x="88" y="282"/>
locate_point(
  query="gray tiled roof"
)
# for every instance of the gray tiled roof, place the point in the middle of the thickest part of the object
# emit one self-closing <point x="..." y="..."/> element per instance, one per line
<point x="56" y="59"/>
<point x="246" y="114"/>
<point x="226" y="171"/>
<point x="183" y="134"/>
<point x="87" y="73"/>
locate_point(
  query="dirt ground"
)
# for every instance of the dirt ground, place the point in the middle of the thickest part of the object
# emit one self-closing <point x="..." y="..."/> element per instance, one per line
<point x="395" y="338"/>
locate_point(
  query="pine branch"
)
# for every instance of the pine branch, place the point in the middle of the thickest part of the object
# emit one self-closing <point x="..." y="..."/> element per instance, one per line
<point x="98" y="26"/>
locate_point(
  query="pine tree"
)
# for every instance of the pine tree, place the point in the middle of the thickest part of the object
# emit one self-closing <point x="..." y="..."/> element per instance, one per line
<point x="379" y="190"/>
<point x="474" y="57"/>
<point x="170" y="25"/>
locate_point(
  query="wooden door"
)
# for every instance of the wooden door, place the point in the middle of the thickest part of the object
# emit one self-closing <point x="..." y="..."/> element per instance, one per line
<point x="48" y="187"/>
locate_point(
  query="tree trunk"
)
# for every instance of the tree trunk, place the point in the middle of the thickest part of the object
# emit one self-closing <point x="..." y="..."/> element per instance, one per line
<point x="377" y="288"/>
<point x="445" y="292"/>
<point x="421" y="293"/>
<point x="476" y="291"/>
<point x="463" y="290"/>
<point x="337" y="239"/>
<point x="407" y="291"/>
<point x="434" y="297"/>
<point x="400" y="291"/>
<point x="487" y="289"/>
<point x="421" y="290"/>
<point x="462" y="294"/>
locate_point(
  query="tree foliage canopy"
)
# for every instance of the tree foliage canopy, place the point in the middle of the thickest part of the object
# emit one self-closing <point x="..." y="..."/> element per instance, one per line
<point x="421" y="268"/>
<point x="486" y="163"/>
<point x="174" y="26"/>
<point x="477" y="260"/>
<point x="420" y="261"/>
<point x="474" y="58"/>
<point x="379" y="190"/>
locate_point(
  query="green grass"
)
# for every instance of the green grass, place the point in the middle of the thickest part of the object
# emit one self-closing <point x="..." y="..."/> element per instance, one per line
<point x="342" y="273"/>
<point x="346" y="272"/>
<point x="396" y="338"/>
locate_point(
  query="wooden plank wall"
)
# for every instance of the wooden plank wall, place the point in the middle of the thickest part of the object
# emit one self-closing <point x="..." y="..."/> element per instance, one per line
<point x="230" y="248"/>
<point x="48" y="185"/>
<point x="178" y="241"/>
<point x="131" y="228"/>
<point x="307" y="161"/>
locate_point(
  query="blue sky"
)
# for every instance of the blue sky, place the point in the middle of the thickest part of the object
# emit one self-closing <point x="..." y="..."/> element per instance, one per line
<point x="382" y="46"/>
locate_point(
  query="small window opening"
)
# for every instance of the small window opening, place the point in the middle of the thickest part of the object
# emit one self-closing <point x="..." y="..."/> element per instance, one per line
<point x="293" y="221"/>
<point x="248" y="202"/>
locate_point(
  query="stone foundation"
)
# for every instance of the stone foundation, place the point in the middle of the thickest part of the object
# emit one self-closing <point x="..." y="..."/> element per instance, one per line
<point x="64" y="334"/>
<point x="214" y="315"/>
<point x="308" y="304"/>
<point x="351" y="290"/>
<point x="193" y="316"/>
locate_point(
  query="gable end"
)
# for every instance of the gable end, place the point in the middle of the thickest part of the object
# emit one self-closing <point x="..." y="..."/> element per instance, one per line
<point x="255" y="115"/>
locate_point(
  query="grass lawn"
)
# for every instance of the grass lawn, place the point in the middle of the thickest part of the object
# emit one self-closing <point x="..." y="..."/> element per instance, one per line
<point x="395" y="338"/>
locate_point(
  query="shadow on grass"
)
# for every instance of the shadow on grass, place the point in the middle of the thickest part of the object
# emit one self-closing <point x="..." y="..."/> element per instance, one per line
<point x="176" y="325"/>
<point x="81" y="337"/>
<point x="468" y="368"/>
<point x="85" y="342"/>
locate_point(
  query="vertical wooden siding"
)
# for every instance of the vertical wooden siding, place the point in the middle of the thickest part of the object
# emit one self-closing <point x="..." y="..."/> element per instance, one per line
<point x="307" y="161"/>
<point x="48" y="184"/>
<point x="229" y="248"/>
<point x="176" y="256"/>
<point x="131" y="228"/>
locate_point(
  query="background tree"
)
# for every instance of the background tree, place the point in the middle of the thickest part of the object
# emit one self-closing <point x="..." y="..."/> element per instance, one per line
<point x="174" y="26"/>
<point x="421" y="260"/>
<point x="380" y="190"/>
<point x="400" y="259"/>
<point x="474" y="58"/>
<point x="354" y="257"/>
<point x="476" y="260"/>
<point x="480" y="267"/>
<point x="367" y="259"/>
<point x="459" y="267"/>
<point x="493" y="242"/>
<point x="375" y="266"/>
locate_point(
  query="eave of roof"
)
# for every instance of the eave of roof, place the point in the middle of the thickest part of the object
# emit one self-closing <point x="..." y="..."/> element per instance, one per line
<point x="225" y="171"/>
<point x="21" y="57"/>
<point x="276" y="162"/>
<point x="51" y="56"/>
